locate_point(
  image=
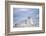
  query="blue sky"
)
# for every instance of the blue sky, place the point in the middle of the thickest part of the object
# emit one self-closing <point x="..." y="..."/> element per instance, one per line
<point x="20" y="14"/>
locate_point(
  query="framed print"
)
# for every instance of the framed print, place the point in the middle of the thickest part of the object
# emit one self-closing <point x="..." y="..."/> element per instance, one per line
<point x="24" y="17"/>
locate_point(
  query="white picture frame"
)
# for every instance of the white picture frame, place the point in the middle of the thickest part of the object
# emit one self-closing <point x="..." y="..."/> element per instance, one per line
<point x="26" y="30"/>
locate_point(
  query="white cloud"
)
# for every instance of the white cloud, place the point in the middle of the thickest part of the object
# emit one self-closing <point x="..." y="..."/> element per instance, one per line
<point x="23" y="9"/>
